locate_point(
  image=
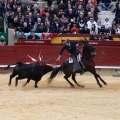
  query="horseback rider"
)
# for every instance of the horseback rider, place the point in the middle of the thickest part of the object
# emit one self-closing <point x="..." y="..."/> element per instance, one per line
<point x="71" y="47"/>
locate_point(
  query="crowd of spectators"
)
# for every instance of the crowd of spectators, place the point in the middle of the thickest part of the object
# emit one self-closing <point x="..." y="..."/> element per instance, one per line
<point x="70" y="16"/>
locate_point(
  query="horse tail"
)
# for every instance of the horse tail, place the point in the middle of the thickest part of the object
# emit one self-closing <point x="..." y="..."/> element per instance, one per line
<point x="18" y="63"/>
<point x="54" y="73"/>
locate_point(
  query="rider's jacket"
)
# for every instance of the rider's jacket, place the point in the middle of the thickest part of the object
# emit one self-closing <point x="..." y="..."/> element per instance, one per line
<point x="71" y="48"/>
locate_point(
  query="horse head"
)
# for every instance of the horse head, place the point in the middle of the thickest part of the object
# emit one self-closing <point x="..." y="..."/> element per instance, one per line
<point x="88" y="48"/>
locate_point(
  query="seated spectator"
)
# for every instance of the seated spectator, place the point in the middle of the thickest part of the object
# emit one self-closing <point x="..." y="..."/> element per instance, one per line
<point x="70" y="15"/>
<point x="94" y="36"/>
<point x="79" y="10"/>
<point x="85" y="30"/>
<point x="80" y="2"/>
<point x="114" y="24"/>
<point x="55" y="25"/>
<point x="88" y="6"/>
<point x="116" y="6"/>
<point x="102" y="30"/>
<point x="44" y="10"/>
<point x="62" y="28"/>
<point x="36" y="28"/>
<point x="32" y="35"/>
<point x="74" y="29"/>
<point x="22" y="36"/>
<point x="107" y="23"/>
<point x="73" y="21"/>
<point x="27" y="5"/>
<point x="94" y="13"/>
<point x="117" y="12"/>
<point x="61" y="12"/>
<point x="107" y="37"/>
<point x="81" y="24"/>
<point x="99" y="24"/>
<point x="110" y="30"/>
<point x="117" y="31"/>
<point x="35" y="9"/>
<point x="67" y="29"/>
<point x="90" y="22"/>
<point x="48" y="27"/>
<point x="88" y="16"/>
<point x="25" y="28"/>
<point x="93" y="29"/>
<point x="106" y="4"/>
<point x="61" y="5"/>
<point x="53" y="10"/>
<point x="80" y="16"/>
<point x="42" y="28"/>
<point x="2" y="40"/>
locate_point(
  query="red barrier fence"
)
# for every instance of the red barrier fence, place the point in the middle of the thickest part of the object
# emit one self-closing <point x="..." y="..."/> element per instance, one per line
<point x="106" y="55"/>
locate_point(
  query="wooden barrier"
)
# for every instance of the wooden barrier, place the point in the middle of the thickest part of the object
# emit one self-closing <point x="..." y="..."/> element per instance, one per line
<point x="106" y="55"/>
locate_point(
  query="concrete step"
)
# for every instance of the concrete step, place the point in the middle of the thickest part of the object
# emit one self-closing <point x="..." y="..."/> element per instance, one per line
<point x="106" y="13"/>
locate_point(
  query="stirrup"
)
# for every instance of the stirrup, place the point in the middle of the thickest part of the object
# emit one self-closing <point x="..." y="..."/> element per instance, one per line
<point x="83" y="67"/>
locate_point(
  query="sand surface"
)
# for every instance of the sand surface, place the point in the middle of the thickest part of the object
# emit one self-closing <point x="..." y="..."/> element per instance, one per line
<point x="59" y="101"/>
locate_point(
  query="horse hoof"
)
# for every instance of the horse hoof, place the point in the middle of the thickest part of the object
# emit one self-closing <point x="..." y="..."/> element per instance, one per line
<point x="100" y="86"/>
<point x="36" y="86"/>
<point x="80" y="85"/>
<point x="23" y="86"/>
<point x="73" y="86"/>
<point x="105" y="83"/>
<point x="9" y="84"/>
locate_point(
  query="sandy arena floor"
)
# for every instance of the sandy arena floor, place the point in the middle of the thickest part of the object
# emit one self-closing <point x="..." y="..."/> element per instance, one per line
<point x="58" y="101"/>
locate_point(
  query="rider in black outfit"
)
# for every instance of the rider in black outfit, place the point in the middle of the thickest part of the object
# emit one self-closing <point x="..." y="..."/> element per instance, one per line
<point x="74" y="52"/>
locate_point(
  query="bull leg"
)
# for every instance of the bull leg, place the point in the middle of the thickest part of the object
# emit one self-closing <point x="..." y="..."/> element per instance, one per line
<point x="28" y="80"/>
<point x="36" y="84"/>
<point x="16" y="83"/>
<point x="73" y="78"/>
<point x="66" y="78"/>
<point x="10" y="80"/>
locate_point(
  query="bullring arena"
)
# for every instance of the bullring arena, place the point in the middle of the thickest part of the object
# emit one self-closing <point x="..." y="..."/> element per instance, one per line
<point x="59" y="101"/>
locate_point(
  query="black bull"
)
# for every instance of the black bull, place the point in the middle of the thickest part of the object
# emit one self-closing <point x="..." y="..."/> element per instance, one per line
<point x="33" y="71"/>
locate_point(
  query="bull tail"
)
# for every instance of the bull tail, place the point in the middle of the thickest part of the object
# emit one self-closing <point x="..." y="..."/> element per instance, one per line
<point x="18" y="63"/>
<point x="54" y="73"/>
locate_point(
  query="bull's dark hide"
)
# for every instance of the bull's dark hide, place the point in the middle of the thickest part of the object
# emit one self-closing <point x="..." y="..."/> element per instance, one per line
<point x="33" y="71"/>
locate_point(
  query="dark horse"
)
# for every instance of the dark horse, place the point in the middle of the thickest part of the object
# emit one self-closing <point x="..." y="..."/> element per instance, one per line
<point x="33" y="71"/>
<point x="87" y="60"/>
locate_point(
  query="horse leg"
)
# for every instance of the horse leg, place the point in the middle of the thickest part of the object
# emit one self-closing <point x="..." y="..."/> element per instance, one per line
<point x="28" y="80"/>
<point x="66" y="77"/>
<point x="73" y="78"/>
<point x="96" y="77"/>
<point x="101" y="79"/>
<point x="11" y="76"/>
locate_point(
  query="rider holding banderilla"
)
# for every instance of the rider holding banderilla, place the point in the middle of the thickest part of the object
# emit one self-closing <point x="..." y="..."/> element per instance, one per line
<point x="71" y="47"/>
